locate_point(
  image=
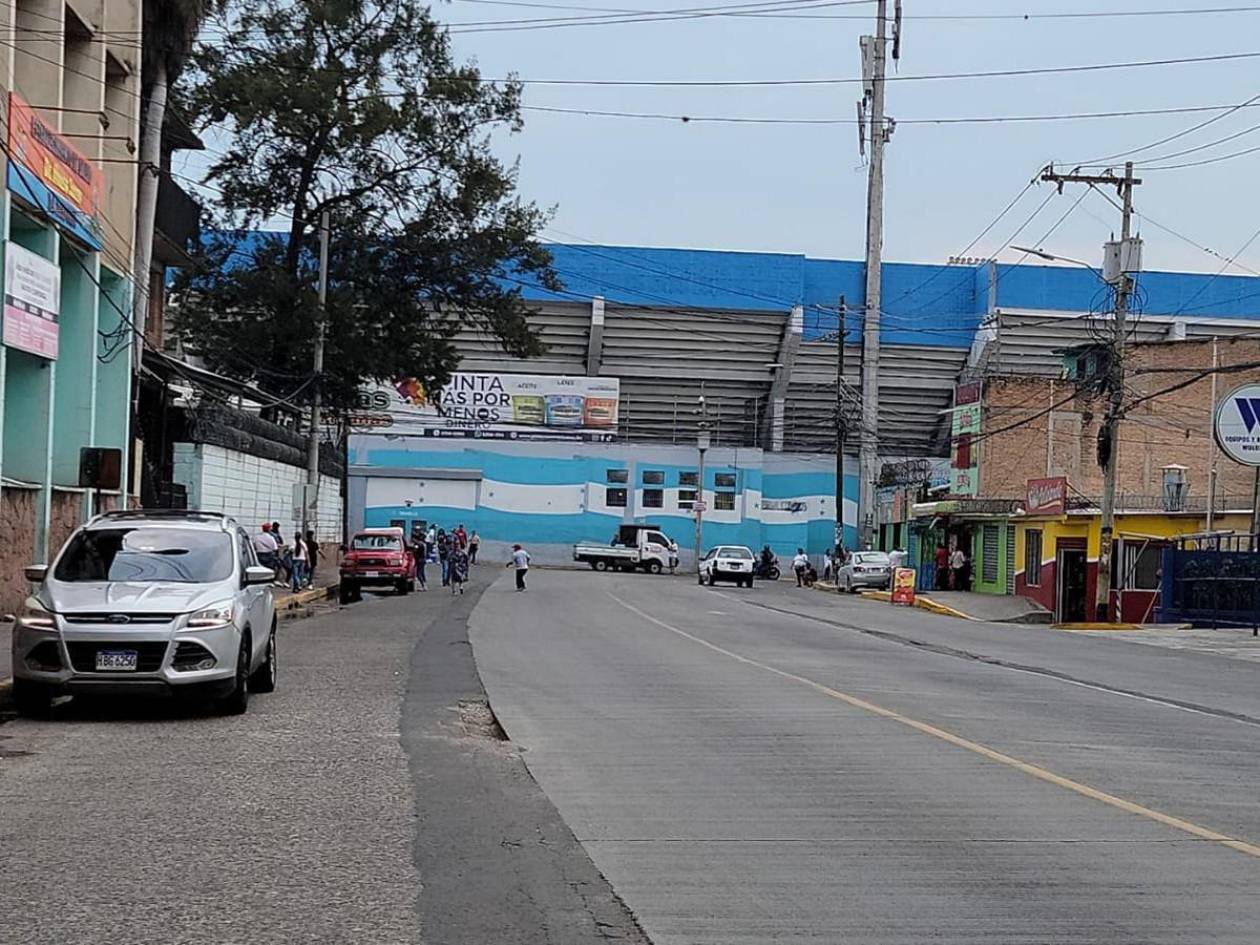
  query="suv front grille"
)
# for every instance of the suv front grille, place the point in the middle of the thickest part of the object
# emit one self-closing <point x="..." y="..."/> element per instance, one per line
<point x="115" y="618"/>
<point x="149" y="654"/>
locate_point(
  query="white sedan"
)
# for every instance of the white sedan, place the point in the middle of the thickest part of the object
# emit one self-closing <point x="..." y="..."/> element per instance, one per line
<point x="727" y="563"/>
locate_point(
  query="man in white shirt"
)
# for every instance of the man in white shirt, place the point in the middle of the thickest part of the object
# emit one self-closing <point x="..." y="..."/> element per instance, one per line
<point x="958" y="565"/>
<point x="520" y="561"/>
<point x="800" y="564"/>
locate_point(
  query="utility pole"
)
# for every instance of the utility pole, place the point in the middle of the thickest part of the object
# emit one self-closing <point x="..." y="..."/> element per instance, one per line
<point x="840" y="429"/>
<point x="874" y="68"/>
<point x="702" y="444"/>
<point x="1127" y="258"/>
<point x="311" y="496"/>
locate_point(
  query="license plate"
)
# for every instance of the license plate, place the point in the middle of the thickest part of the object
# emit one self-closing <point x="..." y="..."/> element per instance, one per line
<point x="116" y="660"/>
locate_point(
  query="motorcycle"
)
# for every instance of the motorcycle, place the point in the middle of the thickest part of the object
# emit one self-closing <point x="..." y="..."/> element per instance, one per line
<point x="767" y="572"/>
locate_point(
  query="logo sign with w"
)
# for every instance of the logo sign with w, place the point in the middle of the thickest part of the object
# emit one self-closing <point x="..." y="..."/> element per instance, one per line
<point x="1249" y="410"/>
<point x="1237" y="425"/>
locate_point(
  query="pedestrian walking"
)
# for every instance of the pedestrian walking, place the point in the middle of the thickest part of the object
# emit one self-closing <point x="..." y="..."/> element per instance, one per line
<point x="459" y="569"/>
<point x="474" y="543"/>
<point x="265" y="548"/>
<point x="284" y="554"/>
<point x="957" y="569"/>
<point x="298" y="571"/>
<point x="520" y="561"/>
<point x="420" y="550"/>
<point x="942" y="568"/>
<point x="460" y="536"/>
<point x="444" y="556"/>
<point x="312" y="557"/>
<point x="800" y="564"/>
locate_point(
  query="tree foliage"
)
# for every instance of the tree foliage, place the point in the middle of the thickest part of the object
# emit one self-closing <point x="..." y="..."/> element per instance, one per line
<point x="358" y="108"/>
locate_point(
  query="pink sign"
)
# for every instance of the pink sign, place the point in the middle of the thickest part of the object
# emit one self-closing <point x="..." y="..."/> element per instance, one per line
<point x="1046" y="496"/>
<point x="32" y="296"/>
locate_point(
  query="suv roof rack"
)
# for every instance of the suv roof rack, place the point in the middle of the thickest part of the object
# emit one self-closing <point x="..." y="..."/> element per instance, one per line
<point x="116" y="515"/>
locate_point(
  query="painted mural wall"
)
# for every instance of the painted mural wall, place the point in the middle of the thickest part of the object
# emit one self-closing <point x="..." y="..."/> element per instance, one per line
<point x="551" y="495"/>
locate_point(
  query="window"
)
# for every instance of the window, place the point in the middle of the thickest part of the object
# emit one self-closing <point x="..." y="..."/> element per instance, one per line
<point x="989" y="552"/>
<point x="615" y="498"/>
<point x="653" y="498"/>
<point x="246" y="548"/>
<point x="658" y="539"/>
<point x="689" y="478"/>
<point x="724" y="480"/>
<point x="147" y="555"/>
<point x="1032" y="557"/>
<point x="724" y="501"/>
<point x="369" y="542"/>
<point x="686" y="498"/>
<point x="618" y="475"/>
<point x="653" y="477"/>
<point x="1141" y="562"/>
<point x="736" y="552"/>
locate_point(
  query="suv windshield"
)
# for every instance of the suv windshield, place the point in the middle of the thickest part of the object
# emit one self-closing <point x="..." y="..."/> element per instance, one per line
<point x="147" y="555"/>
<point x="376" y="543"/>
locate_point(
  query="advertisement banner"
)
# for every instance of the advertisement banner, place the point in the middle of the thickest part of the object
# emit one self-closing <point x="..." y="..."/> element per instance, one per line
<point x="1237" y="425"/>
<point x="49" y="172"/>
<point x="495" y="406"/>
<point x="964" y="463"/>
<point x="903" y="587"/>
<point x="1046" y="496"/>
<point x="32" y="298"/>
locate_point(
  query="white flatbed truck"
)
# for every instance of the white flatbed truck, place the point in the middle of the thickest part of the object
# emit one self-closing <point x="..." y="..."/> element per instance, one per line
<point x="636" y="548"/>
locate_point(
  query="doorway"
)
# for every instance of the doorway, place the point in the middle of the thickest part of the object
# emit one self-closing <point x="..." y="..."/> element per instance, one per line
<point x="1070" y="598"/>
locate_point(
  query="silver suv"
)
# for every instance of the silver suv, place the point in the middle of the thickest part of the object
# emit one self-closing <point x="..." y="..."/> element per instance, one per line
<point x="148" y="602"/>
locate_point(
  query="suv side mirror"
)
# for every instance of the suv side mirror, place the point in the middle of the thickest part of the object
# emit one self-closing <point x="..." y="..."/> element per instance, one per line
<point x="35" y="573"/>
<point x="257" y="574"/>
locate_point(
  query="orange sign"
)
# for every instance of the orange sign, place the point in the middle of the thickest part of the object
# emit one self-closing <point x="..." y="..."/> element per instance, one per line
<point x="903" y="587"/>
<point x="53" y="174"/>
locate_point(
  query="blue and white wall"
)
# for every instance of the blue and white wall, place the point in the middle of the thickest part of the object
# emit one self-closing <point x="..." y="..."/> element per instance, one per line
<point x="549" y="495"/>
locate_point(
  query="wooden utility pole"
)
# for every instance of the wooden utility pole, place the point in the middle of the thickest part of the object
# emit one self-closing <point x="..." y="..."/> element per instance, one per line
<point x="311" y="494"/>
<point x="1108" y="436"/>
<point x="874" y="68"/>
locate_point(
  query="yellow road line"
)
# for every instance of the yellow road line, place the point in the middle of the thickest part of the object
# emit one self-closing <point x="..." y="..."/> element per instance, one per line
<point x="1028" y="768"/>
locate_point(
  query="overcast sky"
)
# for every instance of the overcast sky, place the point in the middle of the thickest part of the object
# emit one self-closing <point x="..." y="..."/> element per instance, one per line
<point x="801" y="189"/>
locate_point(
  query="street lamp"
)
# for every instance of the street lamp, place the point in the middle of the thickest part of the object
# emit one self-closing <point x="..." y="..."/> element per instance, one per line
<point x="1052" y="257"/>
<point x="702" y="444"/>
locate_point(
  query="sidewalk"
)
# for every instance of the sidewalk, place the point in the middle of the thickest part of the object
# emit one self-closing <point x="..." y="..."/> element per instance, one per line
<point x="968" y="605"/>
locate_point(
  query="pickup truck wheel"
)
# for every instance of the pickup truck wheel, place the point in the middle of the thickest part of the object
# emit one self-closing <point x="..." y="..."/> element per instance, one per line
<point x="600" y="565"/>
<point x="654" y="567"/>
<point x="347" y="593"/>
<point x="403" y="588"/>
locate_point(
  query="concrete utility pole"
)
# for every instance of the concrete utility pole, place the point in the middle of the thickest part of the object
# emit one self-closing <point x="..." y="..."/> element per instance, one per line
<point x="1127" y="259"/>
<point x="874" y="67"/>
<point x="321" y="324"/>
<point x="702" y="444"/>
<point x="840" y="427"/>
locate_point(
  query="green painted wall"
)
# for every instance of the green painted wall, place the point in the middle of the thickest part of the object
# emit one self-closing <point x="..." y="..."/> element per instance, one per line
<point x="74" y="410"/>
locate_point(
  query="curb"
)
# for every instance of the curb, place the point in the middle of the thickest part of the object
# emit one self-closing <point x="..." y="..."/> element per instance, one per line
<point x="922" y="603"/>
<point x="302" y="598"/>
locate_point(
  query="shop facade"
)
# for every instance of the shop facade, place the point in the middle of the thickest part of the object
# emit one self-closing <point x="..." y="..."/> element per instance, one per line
<point x="981" y="528"/>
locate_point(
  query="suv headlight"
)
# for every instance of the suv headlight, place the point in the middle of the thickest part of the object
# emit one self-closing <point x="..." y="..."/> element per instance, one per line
<point x="217" y="615"/>
<point x="37" y="618"/>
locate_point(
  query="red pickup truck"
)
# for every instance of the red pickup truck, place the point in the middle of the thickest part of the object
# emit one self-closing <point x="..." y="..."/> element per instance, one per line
<point x="377" y="557"/>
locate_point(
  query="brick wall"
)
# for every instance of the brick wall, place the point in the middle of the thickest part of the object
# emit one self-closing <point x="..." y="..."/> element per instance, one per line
<point x="1175" y="427"/>
<point x="251" y="489"/>
<point x="17" y="518"/>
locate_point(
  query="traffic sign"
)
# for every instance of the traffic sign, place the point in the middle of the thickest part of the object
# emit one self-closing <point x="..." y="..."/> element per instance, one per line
<point x="698" y="506"/>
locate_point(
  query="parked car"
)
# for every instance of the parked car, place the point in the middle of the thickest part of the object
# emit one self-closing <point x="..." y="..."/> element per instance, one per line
<point x="864" y="569"/>
<point x="727" y="563"/>
<point x="376" y="557"/>
<point x="148" y="603"/>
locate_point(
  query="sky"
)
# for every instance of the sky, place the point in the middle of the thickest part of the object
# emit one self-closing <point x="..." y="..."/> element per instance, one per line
<point x="802" y="188"/>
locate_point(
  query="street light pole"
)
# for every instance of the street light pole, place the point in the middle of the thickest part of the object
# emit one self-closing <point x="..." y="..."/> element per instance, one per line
<point x="311" y="493"/>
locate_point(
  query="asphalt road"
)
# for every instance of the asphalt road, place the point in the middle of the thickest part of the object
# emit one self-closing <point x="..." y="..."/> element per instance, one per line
<point x="787" y="766"/>
<point x="366" y="801"/>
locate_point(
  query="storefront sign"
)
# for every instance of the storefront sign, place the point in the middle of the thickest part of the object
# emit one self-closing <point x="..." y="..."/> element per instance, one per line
<point x="782" y="505"/>
<point x="499" y="407"/>
<point x="964" y="476"/>
<point x="903" y="587"/>
<point x="1046" y="496"/>
<point x="32" y="298"/>
<point x="1237" y="424"/>
<point x="47" y="171"/>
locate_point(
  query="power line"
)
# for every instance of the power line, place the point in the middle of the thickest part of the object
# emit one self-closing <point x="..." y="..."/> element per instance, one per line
<point x="1204" y="162"/>
<point x="1099" y="162"/>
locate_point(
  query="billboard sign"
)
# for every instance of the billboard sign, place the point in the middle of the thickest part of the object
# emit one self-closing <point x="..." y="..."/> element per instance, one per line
<point x="489" y="405"/>
<point x="1237" y="424"/>
<point x="32" y="297"/>
<point x="50" y="173"/>
<point x="1046" y="496"/>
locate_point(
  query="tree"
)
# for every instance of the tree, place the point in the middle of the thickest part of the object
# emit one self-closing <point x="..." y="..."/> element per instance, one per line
<point x="170" y="26"/>
<point x="357" y="108"/>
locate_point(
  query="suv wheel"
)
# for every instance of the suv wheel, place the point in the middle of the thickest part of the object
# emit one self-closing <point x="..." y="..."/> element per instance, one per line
<point x="264" y="678"/>
<point x="237" y="701"/>
<point x="31" y="699"/>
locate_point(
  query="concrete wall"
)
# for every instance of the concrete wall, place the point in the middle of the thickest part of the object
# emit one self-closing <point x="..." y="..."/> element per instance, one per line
<point x="252" y="490"/>
<point x="550" y="495"/>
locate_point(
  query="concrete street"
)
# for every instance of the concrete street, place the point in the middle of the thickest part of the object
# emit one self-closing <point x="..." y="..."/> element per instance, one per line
<point x="790" y="766"/>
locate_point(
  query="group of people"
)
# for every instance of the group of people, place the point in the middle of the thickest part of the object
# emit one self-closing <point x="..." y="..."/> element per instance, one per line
<point x="953" y="569"/>
<point x="294" y="562"/>
<point x="454" y="553"/>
